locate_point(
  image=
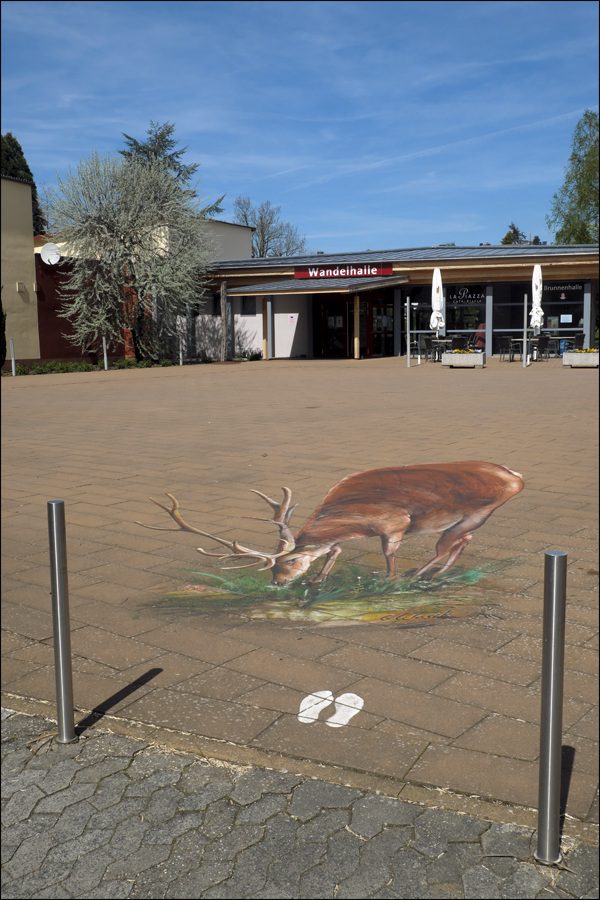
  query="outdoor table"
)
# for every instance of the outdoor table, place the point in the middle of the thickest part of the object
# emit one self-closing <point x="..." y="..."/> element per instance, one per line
<point x="441" y="344"/>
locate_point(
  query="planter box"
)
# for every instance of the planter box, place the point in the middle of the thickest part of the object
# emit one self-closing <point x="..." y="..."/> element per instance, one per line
<point x="580" y="360"/>
<point x="464" y="360"/>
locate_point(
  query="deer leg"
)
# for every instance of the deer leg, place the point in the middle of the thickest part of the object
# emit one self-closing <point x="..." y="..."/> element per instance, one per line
<point x="331" y="558"/>
<point x="453" y="542"/>
<point x="389" y="546"/>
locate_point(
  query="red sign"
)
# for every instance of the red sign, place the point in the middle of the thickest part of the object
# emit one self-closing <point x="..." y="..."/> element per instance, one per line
<point x="345" y="270"/>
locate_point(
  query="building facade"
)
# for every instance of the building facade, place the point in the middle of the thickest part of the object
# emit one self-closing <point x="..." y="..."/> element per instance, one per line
<point x="354" y="305"/>
<point x="19" y="298"/>
<point x="31" y="287"/>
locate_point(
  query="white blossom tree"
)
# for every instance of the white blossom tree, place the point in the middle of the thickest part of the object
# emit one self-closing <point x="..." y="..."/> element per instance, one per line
<point x="137" y="243"/>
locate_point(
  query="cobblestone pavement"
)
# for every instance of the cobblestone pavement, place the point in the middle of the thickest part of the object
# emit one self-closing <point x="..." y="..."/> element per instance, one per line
<point x="112" y="816"/>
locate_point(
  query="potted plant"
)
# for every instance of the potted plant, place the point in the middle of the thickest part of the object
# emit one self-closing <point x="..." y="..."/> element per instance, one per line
<point x="468" y="359"/>
<point x="580" y="359"/>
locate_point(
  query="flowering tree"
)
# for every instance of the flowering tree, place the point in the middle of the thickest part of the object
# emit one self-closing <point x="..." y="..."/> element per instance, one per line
<point x="138" y="244"/>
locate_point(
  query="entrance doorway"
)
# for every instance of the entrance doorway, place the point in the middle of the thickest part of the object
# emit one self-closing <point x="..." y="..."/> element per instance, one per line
<point x="380" y="327"/>
<point x="333" y="322"/>
<point x="334" y="326"/>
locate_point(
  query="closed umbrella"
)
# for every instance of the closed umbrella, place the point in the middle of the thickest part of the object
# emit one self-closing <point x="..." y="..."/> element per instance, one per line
<point x="437" y="303"/>
<point x="537" y="313"/>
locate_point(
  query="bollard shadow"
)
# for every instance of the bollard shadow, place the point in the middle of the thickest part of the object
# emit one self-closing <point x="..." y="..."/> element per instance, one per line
<point x="101" y="709"/>
<point x="567" y="760"/>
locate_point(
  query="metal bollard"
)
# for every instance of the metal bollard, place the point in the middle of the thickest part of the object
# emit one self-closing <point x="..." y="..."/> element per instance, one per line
<point x="105" y="354"/>
<point x="12" y="358"/>
<point x="553" y="667"/>
<point x="60" y="621"/>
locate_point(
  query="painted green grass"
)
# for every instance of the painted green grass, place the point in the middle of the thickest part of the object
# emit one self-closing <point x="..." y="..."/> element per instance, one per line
<point x="348" y="593"/>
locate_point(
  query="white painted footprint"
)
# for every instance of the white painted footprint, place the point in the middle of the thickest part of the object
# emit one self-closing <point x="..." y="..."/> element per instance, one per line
<point x="312" y="705"/>
<point x="346" y="706"/>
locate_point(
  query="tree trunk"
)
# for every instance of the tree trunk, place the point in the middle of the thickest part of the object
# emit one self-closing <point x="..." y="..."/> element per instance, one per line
<point x="224" y="321"/>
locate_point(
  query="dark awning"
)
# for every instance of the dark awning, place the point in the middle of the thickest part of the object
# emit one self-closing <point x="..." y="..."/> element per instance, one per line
<point x="319" y="286"/>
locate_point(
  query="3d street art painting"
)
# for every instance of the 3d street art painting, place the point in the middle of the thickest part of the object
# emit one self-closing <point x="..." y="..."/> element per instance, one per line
<point x="448" y="499"/>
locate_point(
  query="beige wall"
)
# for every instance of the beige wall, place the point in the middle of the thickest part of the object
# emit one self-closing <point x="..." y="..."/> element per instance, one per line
<point x="231" y="241"/>
<point x="18" y="265"/>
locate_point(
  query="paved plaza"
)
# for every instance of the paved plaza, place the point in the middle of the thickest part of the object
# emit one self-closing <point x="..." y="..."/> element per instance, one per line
<point x="446" y="679"/>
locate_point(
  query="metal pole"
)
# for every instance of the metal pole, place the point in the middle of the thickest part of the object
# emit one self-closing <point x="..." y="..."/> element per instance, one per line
<point x="180" y="350"/>
<point x="105" y="354"/>
<point x="60" y="621"/>
<point x="525" y="332"/>
<point x="12" y="356"/>
<point x="553" y="664"/>
<point x="408" y="332"/>
<point x="270" y="323"/>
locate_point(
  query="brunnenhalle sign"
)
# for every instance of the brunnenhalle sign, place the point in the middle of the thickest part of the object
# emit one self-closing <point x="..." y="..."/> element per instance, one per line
<point x="344" y="270"/>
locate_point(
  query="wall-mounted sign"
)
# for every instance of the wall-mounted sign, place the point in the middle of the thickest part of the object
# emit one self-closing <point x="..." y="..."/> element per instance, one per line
<point x="344" y="270"/>
<point x="465" y="293"/>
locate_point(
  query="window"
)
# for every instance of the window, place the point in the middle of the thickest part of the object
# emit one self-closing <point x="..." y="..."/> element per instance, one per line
<point x="248" y="306"/>
<point x="216" y="305"/>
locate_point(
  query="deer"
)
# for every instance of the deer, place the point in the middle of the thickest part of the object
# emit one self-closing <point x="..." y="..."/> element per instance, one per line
<point x="448" y="499"/>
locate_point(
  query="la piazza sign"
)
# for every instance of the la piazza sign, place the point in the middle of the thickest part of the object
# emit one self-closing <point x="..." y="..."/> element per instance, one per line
<point x="344" y="270"/>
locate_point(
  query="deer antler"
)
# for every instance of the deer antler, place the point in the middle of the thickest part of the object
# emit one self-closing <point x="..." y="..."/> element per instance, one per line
<point x="283" y="513"/>
<point x="239" y="551"/>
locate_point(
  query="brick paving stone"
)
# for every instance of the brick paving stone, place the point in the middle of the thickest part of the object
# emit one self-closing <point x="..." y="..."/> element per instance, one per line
<point x="113" y="594"/>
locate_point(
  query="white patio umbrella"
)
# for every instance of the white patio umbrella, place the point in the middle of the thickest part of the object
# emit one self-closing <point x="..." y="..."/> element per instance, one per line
<point x="537" y="313"/>
<point x="437" y="303"/>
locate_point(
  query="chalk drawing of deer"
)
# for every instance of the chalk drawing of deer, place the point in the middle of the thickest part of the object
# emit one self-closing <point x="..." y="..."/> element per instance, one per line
<point x="449" y="499"/>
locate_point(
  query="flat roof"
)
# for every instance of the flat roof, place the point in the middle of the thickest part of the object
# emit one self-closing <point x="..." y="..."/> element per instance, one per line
<point x="319" y="286"/>
<point x="413" y="254"/>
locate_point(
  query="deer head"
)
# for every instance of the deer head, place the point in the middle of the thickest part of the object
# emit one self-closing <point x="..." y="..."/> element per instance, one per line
<point x="286" y="564"/>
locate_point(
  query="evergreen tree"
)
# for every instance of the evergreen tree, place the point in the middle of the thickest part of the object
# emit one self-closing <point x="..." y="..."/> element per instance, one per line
<point x="15" y="165"/>
<point x="574" y="209"/>
<point x="513" y="235"/>
<point x="161" y="146"/>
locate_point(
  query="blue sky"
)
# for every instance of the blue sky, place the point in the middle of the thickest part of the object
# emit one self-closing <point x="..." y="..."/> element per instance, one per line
<point x="374" y="125"/>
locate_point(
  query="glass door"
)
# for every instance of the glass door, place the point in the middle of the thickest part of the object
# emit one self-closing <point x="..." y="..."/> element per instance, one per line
<point x="382" y="327"/>
<point x="334" y="327"/>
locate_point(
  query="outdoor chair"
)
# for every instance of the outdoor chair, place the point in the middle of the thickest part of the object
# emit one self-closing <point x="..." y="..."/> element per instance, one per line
<point x="543" y="347"/>
<point x="553" y="346"/>
<point x="505" y="347"/>
<point x="459" y="343"/>
<point x="579" y="341"/>
<point x="430" y="351"/>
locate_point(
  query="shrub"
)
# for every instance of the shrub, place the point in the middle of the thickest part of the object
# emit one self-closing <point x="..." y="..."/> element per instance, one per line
<point x="255" y="354"/>
<point x="144" y="364"/>
<point x="22" y="370"/>
<point x="126" y="364"/>
<point x="166" y="362"/>
<point x="206" y="359"/>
